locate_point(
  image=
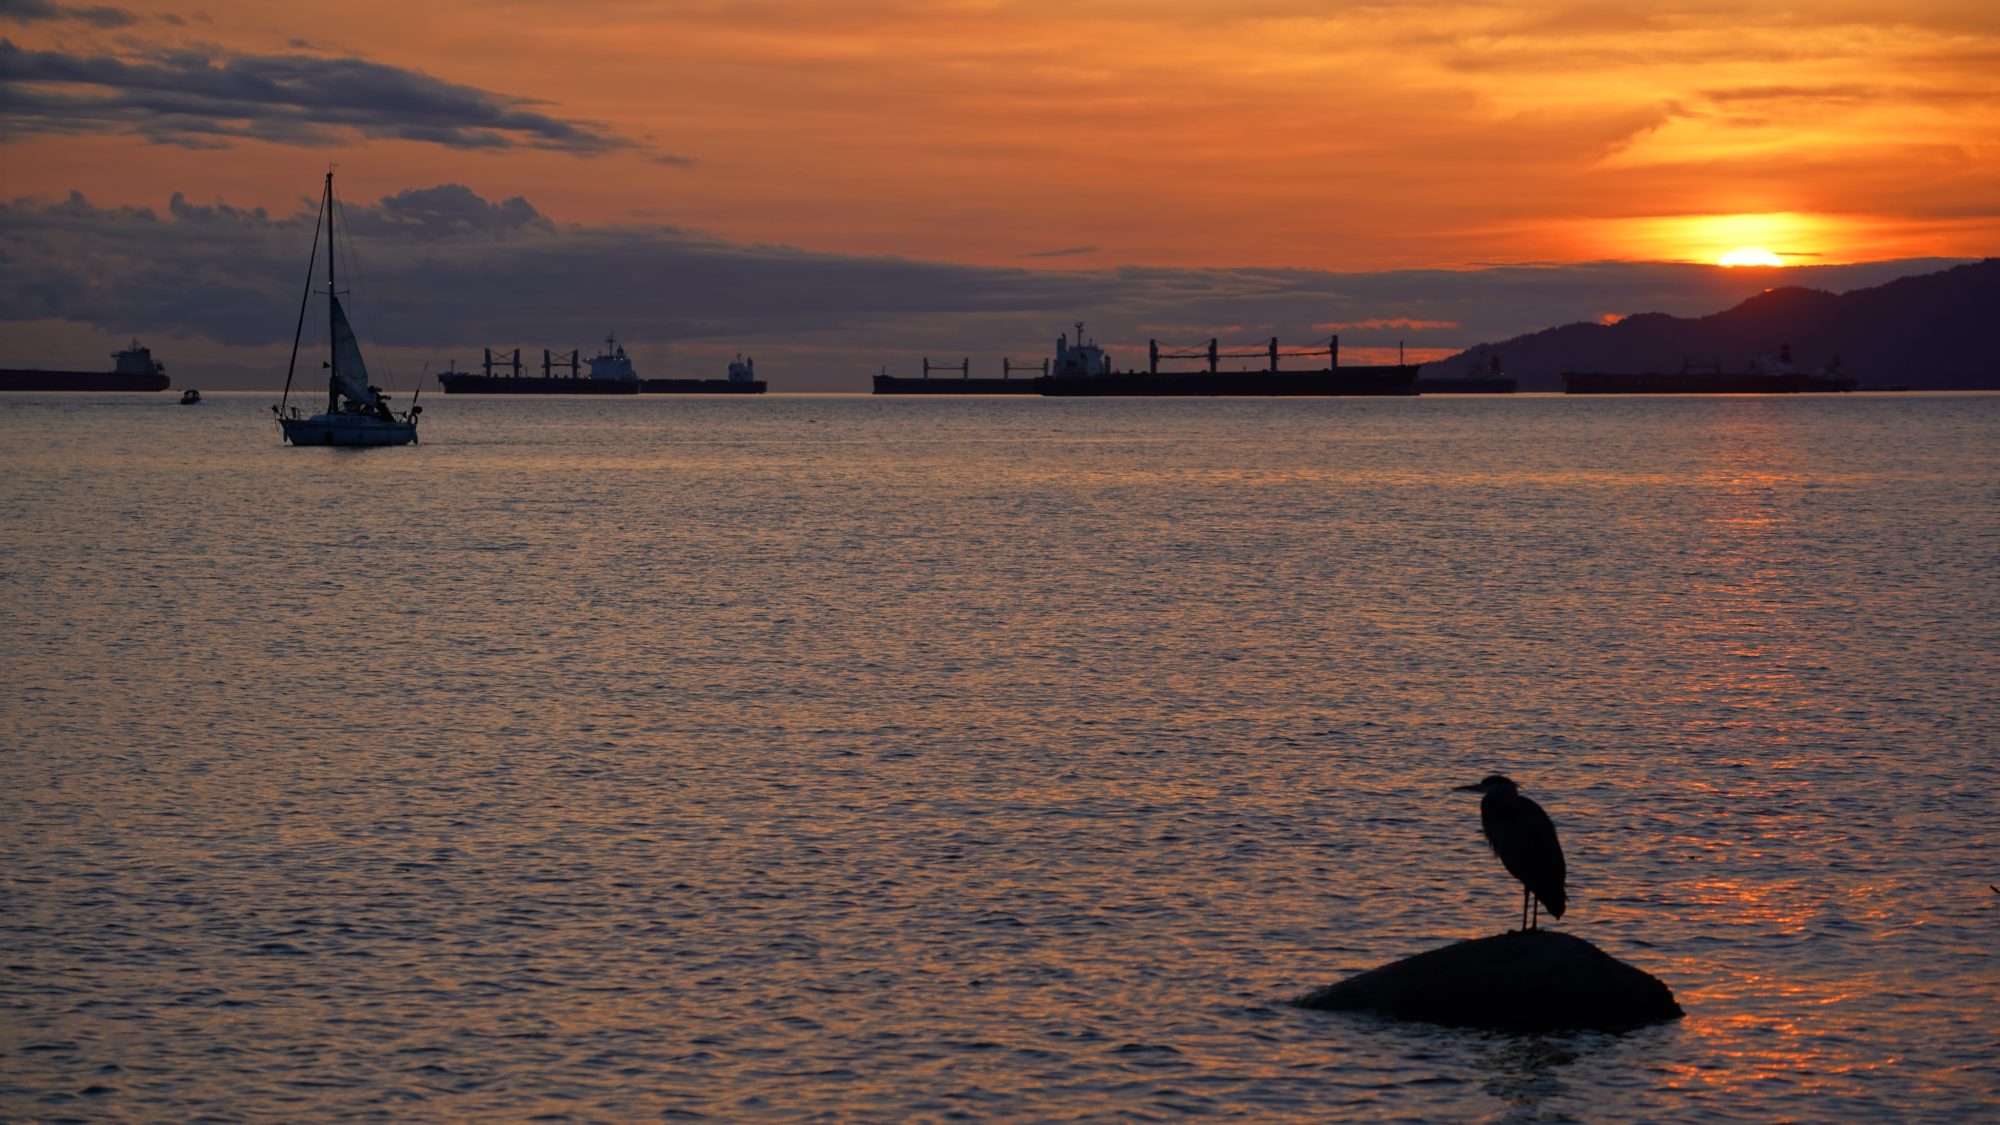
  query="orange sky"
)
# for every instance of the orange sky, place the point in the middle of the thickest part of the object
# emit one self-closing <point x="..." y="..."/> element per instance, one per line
<point x="1150" y="132"/>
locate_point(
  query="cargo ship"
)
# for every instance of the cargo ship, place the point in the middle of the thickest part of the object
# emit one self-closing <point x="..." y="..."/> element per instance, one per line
<point x="1486" y="380"/>
<point x="133" y="369"/>
<point x="742" y="380"/>
<point x="1083" y="369"/>
<point x="610" y="374"/>
<point x="1766" y="376"/>
<point x="963" y="384"/>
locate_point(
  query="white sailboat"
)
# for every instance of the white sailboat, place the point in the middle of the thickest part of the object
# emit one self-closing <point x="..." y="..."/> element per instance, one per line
<point x="356" y="412"/>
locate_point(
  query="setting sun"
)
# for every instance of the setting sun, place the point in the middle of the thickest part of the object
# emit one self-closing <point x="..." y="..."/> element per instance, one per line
<point x="1749" y="256"/>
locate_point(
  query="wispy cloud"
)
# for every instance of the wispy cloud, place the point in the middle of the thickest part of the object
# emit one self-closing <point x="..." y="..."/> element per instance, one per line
<point x="208" y="98"/>
<point x="1404" y="322"/>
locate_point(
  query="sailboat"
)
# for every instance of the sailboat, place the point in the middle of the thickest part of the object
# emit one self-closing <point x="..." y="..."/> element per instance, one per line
<point x="357" y="413"/>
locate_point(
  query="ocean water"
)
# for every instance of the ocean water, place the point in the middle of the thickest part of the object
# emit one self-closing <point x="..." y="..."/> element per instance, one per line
<point x="842" y="759"/>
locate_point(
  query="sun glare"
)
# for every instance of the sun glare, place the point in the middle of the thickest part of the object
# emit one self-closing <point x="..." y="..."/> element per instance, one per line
<point x="1758" y="240"/>
<point x="1749" y="256"/>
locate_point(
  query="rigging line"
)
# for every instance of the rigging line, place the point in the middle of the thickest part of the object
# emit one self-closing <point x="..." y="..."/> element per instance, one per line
<point x="358" y="290"/>
<point x="311" y="260"/>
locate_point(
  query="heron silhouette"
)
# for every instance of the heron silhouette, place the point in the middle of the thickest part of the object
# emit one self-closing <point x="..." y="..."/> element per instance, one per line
<point x="1525" y="840"/>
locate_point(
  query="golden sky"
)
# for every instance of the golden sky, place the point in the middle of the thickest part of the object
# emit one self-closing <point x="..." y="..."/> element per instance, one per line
<point x="1184" y="133"/>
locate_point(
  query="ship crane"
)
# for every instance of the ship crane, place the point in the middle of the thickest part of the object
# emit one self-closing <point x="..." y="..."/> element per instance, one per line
<point x="1271" y="353"/>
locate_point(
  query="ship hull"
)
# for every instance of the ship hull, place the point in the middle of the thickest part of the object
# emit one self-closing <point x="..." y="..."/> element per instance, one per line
<point x="35" y="379"/>
<point x="460" y="384"/>
<point x="1701" y="383"/>
<point x="700" y="387"/>
<point x="902" y="385"/>
<point x="1397" y="379"/>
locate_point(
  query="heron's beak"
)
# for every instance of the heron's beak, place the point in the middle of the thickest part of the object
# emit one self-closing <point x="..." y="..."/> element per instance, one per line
<point x="1479" y="788"/>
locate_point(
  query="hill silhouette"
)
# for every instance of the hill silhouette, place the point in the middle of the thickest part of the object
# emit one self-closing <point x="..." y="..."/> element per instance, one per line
<point x="1933" y="331"/>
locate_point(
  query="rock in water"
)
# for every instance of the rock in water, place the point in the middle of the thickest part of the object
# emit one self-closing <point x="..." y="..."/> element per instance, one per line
<point x="1526" y="980"/>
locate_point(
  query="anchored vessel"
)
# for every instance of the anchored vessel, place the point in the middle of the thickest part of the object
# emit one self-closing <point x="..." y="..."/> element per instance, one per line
<point x="964" y="384"/>
<point x="610" y="374"/>
<point x="357" y="413"/>
<point x="742" y="380"/>
<point x="133" y="369"/>
<point x="1486" y="380"/>
<point x="1084" y="369"/>
<point x="1767" y="376"/>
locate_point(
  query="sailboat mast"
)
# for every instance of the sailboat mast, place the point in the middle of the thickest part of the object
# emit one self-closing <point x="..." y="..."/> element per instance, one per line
<point x="332" y="346"/>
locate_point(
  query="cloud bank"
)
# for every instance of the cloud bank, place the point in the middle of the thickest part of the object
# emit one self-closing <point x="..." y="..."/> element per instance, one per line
<point x="442" y="271"/>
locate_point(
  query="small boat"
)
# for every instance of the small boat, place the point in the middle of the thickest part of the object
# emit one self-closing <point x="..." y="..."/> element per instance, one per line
<point x="190" y="397"/>
<point x="357" y="413"/>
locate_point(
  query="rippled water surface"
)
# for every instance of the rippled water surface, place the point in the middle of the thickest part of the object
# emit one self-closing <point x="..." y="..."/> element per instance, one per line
<point x="898" y="760"/>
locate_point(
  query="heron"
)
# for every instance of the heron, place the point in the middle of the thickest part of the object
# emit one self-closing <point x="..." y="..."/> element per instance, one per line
<point x="1525" y="840"/>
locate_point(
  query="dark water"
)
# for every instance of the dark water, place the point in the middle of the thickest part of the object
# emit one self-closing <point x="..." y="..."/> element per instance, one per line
<point x="915" y="760"/>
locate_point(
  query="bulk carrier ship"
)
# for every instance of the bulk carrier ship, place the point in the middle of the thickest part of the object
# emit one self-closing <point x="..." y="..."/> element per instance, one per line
<point x="610" y="373"/>
<point x="133" y="369"/>
<point x="1486" y="380"/>
<point x="1082" y="369"/>
<point x="964" y="384"/>
<point x="742" y="380"/>
<point x="1767" y="375"/>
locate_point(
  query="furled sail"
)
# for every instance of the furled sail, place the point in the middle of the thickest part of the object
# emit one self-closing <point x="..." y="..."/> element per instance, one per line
<point x="350" y="375"/>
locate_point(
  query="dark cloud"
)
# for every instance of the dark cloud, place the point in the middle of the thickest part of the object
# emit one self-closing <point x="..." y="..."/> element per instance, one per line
<point x="207" y="98"/>
<point x="445" y="211"/>
<point x="35" y="11"/>
<point x="442" y="271"/>
<point x="1065" y="252"/>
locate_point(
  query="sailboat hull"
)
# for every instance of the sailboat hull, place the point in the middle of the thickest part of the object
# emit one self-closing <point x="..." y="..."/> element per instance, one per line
<point x="347" y="429"/>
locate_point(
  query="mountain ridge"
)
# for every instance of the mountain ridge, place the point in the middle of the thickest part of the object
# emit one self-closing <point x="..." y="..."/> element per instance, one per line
<point x="1929" y="331"/>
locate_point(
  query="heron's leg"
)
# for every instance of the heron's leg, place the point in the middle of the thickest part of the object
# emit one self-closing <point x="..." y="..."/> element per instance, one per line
<point x="1537" y="922"/>
<point x="1524" y="907"/>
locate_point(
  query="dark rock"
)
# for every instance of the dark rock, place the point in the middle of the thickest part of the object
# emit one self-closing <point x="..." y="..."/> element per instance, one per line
<point x="1526" y="980"/>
